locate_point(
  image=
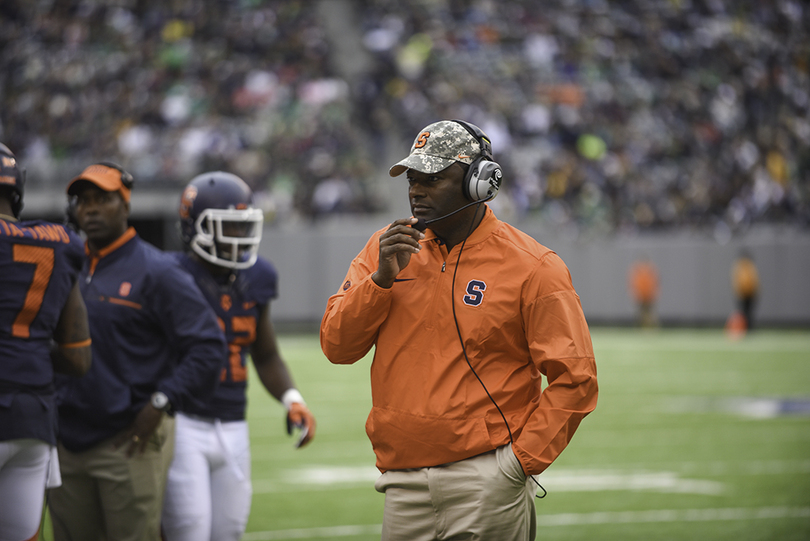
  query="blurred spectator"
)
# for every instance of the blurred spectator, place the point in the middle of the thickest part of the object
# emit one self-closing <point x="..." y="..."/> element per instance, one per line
<point x="643" y="282"/>
<point x="745" y="283"/>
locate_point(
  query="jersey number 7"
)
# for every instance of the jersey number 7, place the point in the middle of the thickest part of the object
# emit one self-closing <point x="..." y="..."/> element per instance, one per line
<point x="42" y="259"/>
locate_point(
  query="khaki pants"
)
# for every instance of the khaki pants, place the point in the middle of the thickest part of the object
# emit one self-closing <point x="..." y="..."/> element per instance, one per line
<point x="108" y="496"/>
<point x="486" y="498"/>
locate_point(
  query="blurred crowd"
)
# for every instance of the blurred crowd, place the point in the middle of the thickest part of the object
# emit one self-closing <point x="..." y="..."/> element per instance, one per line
<point x="606" y="116"/>
<point x="614" y="115"/>
<point x="170" y="89"/>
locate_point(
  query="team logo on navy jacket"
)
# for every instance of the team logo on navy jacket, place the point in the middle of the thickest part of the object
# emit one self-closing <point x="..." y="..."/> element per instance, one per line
<point x="475" y="292"/>
<point x="124" y="289"/>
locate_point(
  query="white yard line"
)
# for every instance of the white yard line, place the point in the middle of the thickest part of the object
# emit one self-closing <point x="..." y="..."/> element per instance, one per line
<point x="332" y="532"/>
<point x="673" y="515"/>
<point x="666" y="478"/>
<point x="568" y="519"/>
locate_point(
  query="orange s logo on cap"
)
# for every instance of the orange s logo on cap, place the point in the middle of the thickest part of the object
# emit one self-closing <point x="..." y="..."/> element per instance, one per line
<point x="422" y="139"/>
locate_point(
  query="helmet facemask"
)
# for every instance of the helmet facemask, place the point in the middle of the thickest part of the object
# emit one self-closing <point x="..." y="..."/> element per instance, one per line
<point x="228" y="237"/>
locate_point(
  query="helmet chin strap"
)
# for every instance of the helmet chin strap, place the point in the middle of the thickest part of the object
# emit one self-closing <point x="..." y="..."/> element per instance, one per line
<point x="211" y="255"/>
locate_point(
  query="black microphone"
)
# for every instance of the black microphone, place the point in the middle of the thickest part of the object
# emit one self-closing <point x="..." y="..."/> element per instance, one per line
<point x="421" y="223"/>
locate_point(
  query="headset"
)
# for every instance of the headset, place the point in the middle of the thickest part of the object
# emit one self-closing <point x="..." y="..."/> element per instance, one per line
<point x="484" y="176"/>
<point x="482" y="182"/>
<point x="126" y="178"/>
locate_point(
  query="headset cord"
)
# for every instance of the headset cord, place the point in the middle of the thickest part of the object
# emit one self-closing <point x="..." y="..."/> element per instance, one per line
<point x="464" y="349"/>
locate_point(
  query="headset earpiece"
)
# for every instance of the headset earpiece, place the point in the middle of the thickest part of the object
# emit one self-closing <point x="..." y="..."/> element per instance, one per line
<point x="484" y="176"/>
<point x="483" y="180"/>
<point x="126" y="178"/>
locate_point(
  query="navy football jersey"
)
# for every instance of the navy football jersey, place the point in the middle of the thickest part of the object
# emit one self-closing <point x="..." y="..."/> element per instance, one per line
<point x="39" y="263"/>
<point x="238" y="301"/>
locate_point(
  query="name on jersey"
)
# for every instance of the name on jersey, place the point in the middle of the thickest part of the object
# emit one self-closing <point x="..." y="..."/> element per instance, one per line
<point x="49" y="232"/>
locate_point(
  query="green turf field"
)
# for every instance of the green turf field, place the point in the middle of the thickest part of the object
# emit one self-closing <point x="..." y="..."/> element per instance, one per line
<point x="695" y="437"/>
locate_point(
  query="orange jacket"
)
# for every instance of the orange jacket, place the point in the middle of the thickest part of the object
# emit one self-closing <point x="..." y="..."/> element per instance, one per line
<point x="519" y="317"/>
<point x="744" y="278"/>
<point x="644" y="282"/>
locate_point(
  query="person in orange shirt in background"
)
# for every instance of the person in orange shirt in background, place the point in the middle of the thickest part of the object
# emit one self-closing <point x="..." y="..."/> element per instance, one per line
<point x="643" y="282"/>
<point x="745" y="282"/>
<point x="466" y="318"/>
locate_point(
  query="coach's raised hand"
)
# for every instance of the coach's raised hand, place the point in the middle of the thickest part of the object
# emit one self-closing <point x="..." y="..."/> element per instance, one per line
<point x="397" y="245"/>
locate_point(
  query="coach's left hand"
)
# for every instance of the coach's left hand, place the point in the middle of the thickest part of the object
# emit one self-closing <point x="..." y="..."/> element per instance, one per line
<point x="137" y="435"/>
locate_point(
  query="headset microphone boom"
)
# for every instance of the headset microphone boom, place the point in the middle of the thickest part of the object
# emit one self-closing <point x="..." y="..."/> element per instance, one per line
<point x="421" y="224"/>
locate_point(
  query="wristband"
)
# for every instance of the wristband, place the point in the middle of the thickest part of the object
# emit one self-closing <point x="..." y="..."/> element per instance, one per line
<point x="74" y="345"/>
<point x="291" y="396"/>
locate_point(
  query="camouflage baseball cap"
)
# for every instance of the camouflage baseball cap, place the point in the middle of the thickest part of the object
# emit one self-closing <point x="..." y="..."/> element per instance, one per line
<point x="436" y="148"/>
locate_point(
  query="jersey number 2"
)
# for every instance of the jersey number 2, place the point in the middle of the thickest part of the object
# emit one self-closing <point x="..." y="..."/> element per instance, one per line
<point x="42" y="259"/>
<point x="245" y="329"/>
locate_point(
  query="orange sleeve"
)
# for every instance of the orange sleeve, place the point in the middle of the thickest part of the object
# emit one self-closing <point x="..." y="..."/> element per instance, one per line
<point x="560" y="346"/>
<point x="353" y="315"/>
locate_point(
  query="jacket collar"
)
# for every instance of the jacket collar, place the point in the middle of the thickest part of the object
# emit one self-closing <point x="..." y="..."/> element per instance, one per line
<point x="488" y="224"/>
<point x="95" y="257"/>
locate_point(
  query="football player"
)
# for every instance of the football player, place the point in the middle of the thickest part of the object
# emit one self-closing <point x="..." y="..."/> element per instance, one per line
<point x="208" y="494"/>
<point x="43" y="327"/>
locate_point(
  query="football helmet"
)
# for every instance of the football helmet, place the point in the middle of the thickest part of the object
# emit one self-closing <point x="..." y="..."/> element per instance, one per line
<point x="13" y="176"/>
<point x="218" y="221"/>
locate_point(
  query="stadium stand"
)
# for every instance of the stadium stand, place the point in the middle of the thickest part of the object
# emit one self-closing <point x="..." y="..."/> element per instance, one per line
<point x="612" y="116"/>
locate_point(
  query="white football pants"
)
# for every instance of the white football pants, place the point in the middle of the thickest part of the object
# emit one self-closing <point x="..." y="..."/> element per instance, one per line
<point x="25" y="470"/>
<point x="208" y="492"/>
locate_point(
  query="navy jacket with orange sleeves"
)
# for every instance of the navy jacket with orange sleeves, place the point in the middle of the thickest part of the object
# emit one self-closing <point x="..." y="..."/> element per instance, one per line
<point x="152" y="330"/>
<point x="520" y="318"/>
